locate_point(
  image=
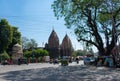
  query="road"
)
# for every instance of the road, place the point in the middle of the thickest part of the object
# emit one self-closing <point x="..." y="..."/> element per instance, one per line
<point x="51" y="72"/>
<point x="8" y="68"/>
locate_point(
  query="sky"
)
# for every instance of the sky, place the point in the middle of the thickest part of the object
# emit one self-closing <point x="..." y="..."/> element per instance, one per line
<point x="35" y="20"/>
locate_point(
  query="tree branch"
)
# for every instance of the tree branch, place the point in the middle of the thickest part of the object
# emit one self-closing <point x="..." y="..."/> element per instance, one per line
<point x="89" y="41"/>
<point x="117" y="25"/>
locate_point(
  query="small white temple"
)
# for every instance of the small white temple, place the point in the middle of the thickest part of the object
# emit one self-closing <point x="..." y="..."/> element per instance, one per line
<point x="17" y="52"/>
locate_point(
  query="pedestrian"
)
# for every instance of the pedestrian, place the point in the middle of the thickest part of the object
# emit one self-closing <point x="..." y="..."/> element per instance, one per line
<point x="77" y="60"/>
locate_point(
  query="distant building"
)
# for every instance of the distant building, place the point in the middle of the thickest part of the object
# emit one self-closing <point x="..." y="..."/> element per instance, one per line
<point x="55" y="49"/>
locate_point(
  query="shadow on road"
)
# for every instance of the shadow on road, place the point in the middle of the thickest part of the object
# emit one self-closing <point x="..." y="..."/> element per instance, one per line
<point x="63" y="73"/>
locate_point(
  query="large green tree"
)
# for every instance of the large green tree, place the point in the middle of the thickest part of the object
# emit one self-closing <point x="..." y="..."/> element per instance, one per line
<point x="6" y="35"/>
<point x="95" y="22"/>
<point x="16" y="38"/>
<point x="9" y="36"/>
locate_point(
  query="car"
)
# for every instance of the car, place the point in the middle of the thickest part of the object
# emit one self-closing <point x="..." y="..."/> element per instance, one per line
<point x="89" y="60"/>
<point x="56" y="61"/>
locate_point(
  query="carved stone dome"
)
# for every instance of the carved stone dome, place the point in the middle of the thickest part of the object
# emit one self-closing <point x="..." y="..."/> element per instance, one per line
<point x="66" y="47"/>
<point x="17" y="53"/>
<point x="53" y="41"/>
<point x="66" y="43"/>
<point x="53" y="45"/>
<point x="17" y="48"/>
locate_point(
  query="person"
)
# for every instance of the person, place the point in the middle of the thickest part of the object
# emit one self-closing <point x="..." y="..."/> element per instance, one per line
<point x="5" y="62"/>
<point x="19" y="61"/>
<point x="99" y="62"/>
<point x="110" y="62"/>
<point x="77" y="60"/>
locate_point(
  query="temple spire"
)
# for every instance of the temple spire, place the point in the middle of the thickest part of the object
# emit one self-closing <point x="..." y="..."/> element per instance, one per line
<point x="53" y="45"/>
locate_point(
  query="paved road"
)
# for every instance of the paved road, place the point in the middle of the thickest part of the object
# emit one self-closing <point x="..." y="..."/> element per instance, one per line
<point x="8" y="68"/>
<point x="51" y="72"/>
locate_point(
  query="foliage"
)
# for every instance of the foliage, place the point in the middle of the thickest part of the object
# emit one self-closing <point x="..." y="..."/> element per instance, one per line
<point x="28" y="54"/>
<point x="24" y="42"/>
<point x="45" y="53"/>
<point x="15" y="39"/>
<point x="40" y="53"/>
<point x="94" y="22"/>
<point x="35" y="53"/>
<point x="6" y="35"/>
<point x="4" y="56"/>
<point x="28" y="43"/>
<point x="9" y="36"/>
<point x="16" y="36"/>
<point x="74" y="54"/>
<point x="80" y="53"/>
<point x="64" y="62"/>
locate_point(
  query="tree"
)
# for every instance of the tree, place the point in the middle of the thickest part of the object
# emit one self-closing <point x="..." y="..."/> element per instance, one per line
<point x="16" y="38"/>
<point x="45" y="53"/>
<point x="94" y="22"/>
<point x="28" y="43"/>
<point x="24" y="42"/>
<point x="28" y="54"/>
<point x="9" y="36"/>
<point x="80" y="53"/>
<point x="4" y="56"/>
<point x="39" y="53"/>
<point x="6" y="35"/>
<point x="32" y="44"/>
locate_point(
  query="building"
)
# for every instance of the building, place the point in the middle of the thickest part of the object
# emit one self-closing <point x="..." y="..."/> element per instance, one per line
<point x="53" y="45"/>
<point x="66" y="47"/>
<point x="55" y="49"/>
<point x="17" y="53"/>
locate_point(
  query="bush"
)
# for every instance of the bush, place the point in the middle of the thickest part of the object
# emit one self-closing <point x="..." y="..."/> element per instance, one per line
<point x="28" y="54"/>
<point x="4" y="56"/>
<point x="64" y="62"/>
<point x="32" y="60"/>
